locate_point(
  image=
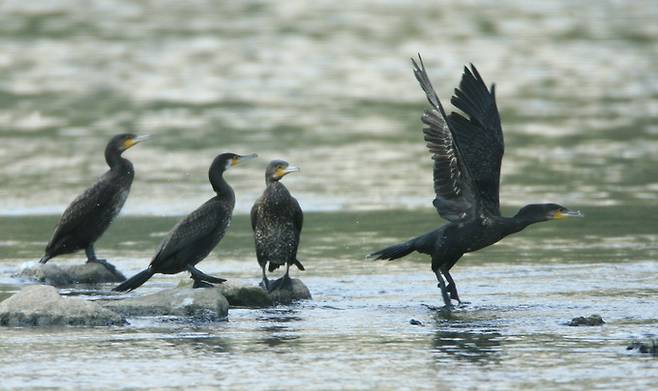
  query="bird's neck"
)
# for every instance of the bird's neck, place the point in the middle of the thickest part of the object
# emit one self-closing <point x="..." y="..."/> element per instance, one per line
<point x="520" y="222"/>
<point x="219" y="184"/>
<point x="118" y="162"/>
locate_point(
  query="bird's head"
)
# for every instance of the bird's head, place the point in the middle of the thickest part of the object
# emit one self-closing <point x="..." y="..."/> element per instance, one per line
<point x="277" y="169"/>
<point x="225" y="161"/>
<point x="544" y="212"/>
<point x="124" y="141"/>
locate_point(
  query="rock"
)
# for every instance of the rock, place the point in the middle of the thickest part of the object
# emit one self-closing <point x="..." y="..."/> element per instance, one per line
<point x="592" y="320"/>
<point x="257" y="297"/>
<point x="415" y="322"/>
<point x="86" y="273"/>
<point x="41" y="305"/>
<point x="646" y="346"/>
<point x="202" y="303"/>
<point x="296" y="291"/>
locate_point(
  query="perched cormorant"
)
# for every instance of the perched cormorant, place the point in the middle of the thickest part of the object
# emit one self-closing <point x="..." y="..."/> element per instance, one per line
<point x="89" y="215"/>
<point x="194" y="237"/>
<point x="277" y="220"/>
<point x="467" y="153"/>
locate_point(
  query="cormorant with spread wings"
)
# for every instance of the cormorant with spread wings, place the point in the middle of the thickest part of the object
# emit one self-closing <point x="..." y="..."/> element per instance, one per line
<point x="467" y="153"/>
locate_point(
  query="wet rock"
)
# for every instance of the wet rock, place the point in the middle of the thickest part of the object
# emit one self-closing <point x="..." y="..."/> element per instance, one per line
<point x="592" y="320"/>
<point x="41" y="305"/>
<point x="645" y="346"/>
<point x="86" y="273"/>
<point x="415" y="322"/>
<point x="296" y="291"/>
<point x="257" y="297"/>
<point x="203" y="303"/>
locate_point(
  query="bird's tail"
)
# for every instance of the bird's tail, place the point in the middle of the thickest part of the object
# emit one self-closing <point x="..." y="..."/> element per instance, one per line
<point x="135" y="281"/>
<point x="299" y="265"/>
<point x="394" y="252"/>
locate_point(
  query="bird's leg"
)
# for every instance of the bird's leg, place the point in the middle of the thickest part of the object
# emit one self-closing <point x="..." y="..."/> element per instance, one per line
<point x="201" y="276"/>
<point x="451" y="287"/>
<point x="283" y="282"/>
<point x="442" y="286"/>
<point x="91" y="257"/>
<point x="265" y="284"/>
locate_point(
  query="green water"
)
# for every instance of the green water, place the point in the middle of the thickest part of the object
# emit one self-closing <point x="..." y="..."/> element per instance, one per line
<point x="328" y="87"/>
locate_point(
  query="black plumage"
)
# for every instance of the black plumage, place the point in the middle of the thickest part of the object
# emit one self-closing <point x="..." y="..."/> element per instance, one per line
<point x="91" y="213"/>
<point x="467" y="153"/>
<point x="277" y="219"/>
<point x="194" y="237"/>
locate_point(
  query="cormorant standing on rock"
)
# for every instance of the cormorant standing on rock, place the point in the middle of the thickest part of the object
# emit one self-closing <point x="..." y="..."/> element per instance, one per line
<point x="467" y="153"/>
<point x="277" y="219"/>
<point x="194" y="237"/>
<point x="90" y="214"/>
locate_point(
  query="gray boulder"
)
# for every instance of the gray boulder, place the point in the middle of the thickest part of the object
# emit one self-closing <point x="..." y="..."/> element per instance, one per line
<point x="86" y="273"/>
<point x="40" y="305"/>
<point x="202" y="303"/>
<point x="257" y="297"/>
<point x="297" y="291"/>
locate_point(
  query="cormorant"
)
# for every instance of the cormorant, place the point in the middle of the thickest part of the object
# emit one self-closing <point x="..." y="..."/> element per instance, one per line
<point x="277" y="219"/>
<point x="467" y="153"/>
<point x="90" y="214"/>
<point x="194" y="237"/>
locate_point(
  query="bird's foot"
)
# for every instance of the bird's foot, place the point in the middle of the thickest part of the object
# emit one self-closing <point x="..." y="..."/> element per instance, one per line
<point x="105" y="264"/>
<point x="201" y="284"/>
<point x="281" y="283"/>
<point x="265" y="284"/>
<point x="201" y="276"/>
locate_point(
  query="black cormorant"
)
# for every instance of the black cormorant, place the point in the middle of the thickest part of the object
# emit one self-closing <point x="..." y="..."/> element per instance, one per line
<point x="89" y="215"/>
<point x="194" y="237"/>
<point x="277" y="220"/>
<point x="467" y="153"/>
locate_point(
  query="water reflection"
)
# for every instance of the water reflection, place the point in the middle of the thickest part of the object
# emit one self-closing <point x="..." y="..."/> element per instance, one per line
<point x="206" y="344"/>
<point x="277" y="328"/>
<point x="465" y="340"/>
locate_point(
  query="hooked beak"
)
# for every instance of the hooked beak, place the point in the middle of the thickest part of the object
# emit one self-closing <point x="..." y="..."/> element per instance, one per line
<point x="290" y="169"/>
<point x="135" y="140"/>
<point x="569" y="213"/>
<point x="243" y="158"/>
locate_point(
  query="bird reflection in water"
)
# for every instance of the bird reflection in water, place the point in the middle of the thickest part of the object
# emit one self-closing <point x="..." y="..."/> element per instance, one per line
<point x="277" y="328"/>
<point x="465" y="341"/>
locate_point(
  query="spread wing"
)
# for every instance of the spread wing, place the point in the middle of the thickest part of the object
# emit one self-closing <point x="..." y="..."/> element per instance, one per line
<point x="479" y="137"/>
<point x="194" y="228"/>
<point x="452" y="184"/>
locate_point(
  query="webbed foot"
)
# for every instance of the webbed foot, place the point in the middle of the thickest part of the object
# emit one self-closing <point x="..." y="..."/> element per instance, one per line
<point x="105" y="264"/>
<point x="201" y="284"/>
<point x="281" y="283"/>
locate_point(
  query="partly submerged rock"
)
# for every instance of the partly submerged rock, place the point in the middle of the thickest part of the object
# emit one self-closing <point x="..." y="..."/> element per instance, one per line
<point x="645" y="346"/>
<point x="202" y="303"/>
<point x="86" y="273"/>
<point x="257" y="297"/>
<point x="592" y="320"/>
<point x="296" y="291"/>
<point x="41" y="305"/>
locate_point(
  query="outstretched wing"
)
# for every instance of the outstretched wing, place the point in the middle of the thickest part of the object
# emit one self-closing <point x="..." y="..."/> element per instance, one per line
<point x="195" y="228"/>
<point x="452" y="184"/>
<point x="479" y="137"/>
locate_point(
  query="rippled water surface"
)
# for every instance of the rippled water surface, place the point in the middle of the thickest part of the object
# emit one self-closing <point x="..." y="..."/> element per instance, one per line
<point x="328" y="86"/>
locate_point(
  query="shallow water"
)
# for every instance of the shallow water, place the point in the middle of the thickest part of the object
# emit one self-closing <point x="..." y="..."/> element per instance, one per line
<point x="328" y="86"/>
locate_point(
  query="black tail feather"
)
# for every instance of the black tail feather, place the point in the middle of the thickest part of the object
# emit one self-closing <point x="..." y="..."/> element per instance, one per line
<point x="394" y="252"/>
<point x="299" y="265"/>
<point x="135" y="281"/>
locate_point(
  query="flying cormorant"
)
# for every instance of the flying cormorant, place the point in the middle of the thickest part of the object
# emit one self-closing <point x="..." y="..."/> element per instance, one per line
<point x="194" y="237"/>
<point x="90" y="214"/>
<point x="467" y="153"/>
<point x="277" y="219"/>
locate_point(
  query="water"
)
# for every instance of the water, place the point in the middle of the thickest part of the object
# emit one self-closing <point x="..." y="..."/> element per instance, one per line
<point x="328" y="87"/>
